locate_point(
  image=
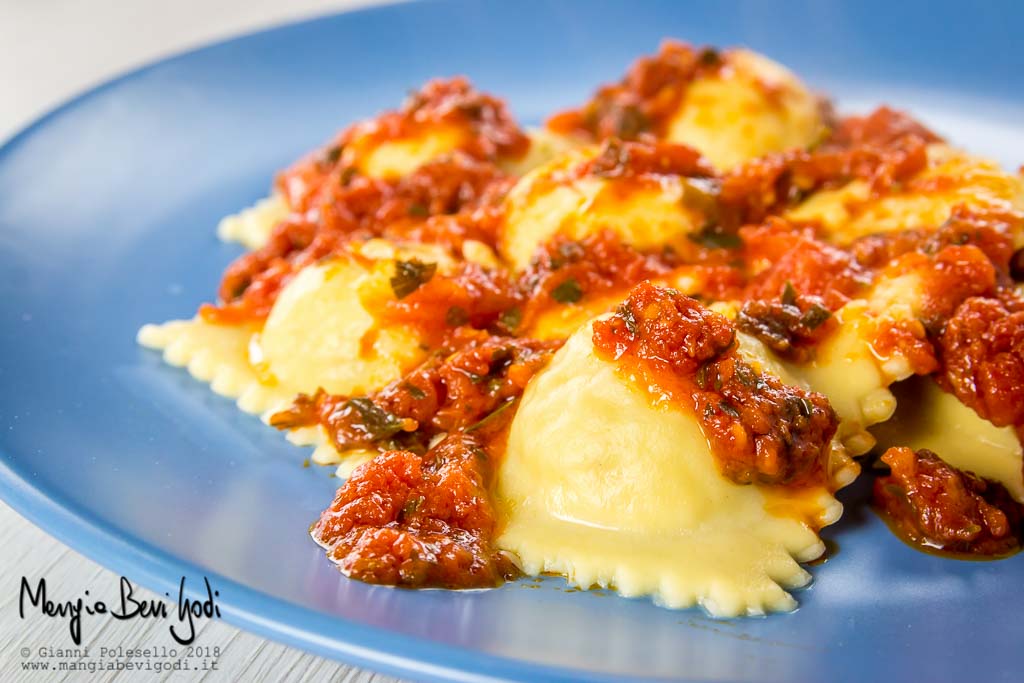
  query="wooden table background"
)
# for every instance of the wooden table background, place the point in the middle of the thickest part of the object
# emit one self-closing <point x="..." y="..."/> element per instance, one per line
<point x="54" y="49"/>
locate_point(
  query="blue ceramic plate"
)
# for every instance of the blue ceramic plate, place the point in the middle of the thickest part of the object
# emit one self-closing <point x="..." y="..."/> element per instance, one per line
<point x="107" y="214"/>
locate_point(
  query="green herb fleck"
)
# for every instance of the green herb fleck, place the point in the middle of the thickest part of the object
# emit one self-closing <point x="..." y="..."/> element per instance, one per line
<point x="375" y="421"/>
<point x="806" y="407"/>
<point x="456" y="316"/>
<point x="494" y="385"/>
<point x="788" y="297"/>
<point x="815" y="316"/>
<point x="746" y="375"/>
<point x="492" y="416"/>
<point x="239" y="288"/>
<point x="712" y="236"/>
<point x="511" y="319"/>
<point x="702" y="194"/>
<point x="702" y="374"/>
<point x="412" y="505"/>
<point x="332" y="154"/>
<point x="709" y="56"/>
<point x="347" y="175"/>
<point x="728" y="409"/>
<point x="626" y="313"/>
<point x="410" y="276"/>
<point x="418" y="210"/>
<point x="568" y="292"/>
<point x="415" y="391"/>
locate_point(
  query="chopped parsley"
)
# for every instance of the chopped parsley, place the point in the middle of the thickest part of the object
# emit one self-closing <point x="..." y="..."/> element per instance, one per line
<point x="410" y="276"/>
<point x="788" y="297"/>
<point x="332" y="154"/>
<point x="806" y="407"/>
<point x="415" y="391"/>
<point x="412" y="505"/>
<point x="729" y="409"/>
<point x="626" y="313"/>
<point x="568" y="292"/>
<point x="375" y="421"/>
<point x="815" y="316"/>
<point x="492" y="416"/>
<point x="511" y="319"/>
<point x="712" y="236"/>
<point x="702" y="374"/>
<point x="456" y="316"/>
<point x="709" y="56"/>
<point x="347" y="175"/>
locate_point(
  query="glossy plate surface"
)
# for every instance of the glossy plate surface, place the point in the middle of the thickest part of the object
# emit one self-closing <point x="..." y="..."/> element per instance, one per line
<point x="107" y="214"/>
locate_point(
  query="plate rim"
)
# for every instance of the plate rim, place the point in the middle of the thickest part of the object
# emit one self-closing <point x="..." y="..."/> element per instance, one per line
<point x="351" y="642"/>
<point x="358" y="644"/>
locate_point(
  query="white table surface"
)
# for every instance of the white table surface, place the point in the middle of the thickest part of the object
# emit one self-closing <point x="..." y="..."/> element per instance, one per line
<point x="53" y="49"/>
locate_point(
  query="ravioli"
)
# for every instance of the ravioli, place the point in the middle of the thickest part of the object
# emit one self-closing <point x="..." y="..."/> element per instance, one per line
<point x="562" y="322"/>
<point x="555" y="199"/>
<point x="251" y="227"/>
<point x="319" y="334"/>
<point x="544" y="147"/>
<point x="609" y="490"/>
<point x="434" y="301"/>
<point x="928" y="417"/>
<point x="849" y="365"/>
<point x="394" y="158"/>
<point x="952" y="178"/>
<point x="750" y="107"/>
<point x="846" y="371"/>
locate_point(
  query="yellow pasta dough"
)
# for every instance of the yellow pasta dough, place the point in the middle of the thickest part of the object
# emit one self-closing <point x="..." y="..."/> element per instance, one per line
<point x="846" y="368"/>
<point x="602" y="486"/>
<point x="551" y="201"/>
<point x="952" y="178"/>
<point x="928" y="417"/>
<point x="751" y="107"/>
<point x="251" y="227"/>
<point x="319" y="334"/>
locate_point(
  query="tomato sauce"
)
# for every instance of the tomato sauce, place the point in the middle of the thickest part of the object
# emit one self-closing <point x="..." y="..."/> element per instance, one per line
<point x="445" y="202"/>
<point x="618" y="158"/>
<point x="761" y="431"/>
<point x="982" y="352"/>
<point x="491" y="133"/>
<point x="931" y="504"/>
<point x="645" y="100"/>
<point x="884" y="159"/>
<point x="563" y="272"/>
<point x="476" y="375"/>
<point x="420" y="513"/>
<point x="416" y="521"/>
<point x="780" y="256"/>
